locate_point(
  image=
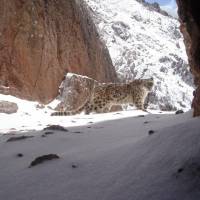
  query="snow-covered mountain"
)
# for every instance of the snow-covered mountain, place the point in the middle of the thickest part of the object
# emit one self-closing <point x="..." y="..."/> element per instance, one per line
<point x="144" y="42"/>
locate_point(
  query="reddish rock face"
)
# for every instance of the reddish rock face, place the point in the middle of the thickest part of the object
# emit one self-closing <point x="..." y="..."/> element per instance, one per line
<point x="189" y="15"/>
<point x="42" y="40"/>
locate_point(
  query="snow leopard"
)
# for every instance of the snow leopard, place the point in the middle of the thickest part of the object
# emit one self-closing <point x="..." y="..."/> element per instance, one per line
<point x="104" y="96"/>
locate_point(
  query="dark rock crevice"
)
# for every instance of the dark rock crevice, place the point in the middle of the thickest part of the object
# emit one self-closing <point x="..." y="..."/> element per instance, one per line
<point x="188" y="11"/>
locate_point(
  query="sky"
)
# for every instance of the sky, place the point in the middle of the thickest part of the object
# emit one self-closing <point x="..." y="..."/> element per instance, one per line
<point x="168" y="5"/>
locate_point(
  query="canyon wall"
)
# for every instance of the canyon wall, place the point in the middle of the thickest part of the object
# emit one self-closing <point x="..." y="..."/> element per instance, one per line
<point x="189" y="15"/>
<point x="40" y="41"/>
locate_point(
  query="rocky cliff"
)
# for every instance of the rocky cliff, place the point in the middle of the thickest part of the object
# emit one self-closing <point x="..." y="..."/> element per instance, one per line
<point x="42" y="40"/>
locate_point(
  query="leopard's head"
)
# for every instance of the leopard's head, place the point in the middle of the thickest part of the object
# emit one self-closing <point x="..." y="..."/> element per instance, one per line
<point x="148" y="83"/>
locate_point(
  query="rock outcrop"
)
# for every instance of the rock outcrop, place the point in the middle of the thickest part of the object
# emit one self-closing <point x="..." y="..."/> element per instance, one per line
<point x="190" y="26"/>
<point x="42" y="40"/>
<point x="75" y="91"/>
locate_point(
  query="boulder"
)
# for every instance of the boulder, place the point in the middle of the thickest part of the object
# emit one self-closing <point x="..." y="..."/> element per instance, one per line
<point x="74" y="91"/>
<point x="8" y="107"/>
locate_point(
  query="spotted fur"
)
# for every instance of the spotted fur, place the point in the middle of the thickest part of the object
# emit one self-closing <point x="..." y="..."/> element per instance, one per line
<point x="104" y="96"/>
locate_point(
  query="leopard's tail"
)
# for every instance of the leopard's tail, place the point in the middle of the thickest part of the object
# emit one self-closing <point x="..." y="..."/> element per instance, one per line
<point x="71" y="112"/>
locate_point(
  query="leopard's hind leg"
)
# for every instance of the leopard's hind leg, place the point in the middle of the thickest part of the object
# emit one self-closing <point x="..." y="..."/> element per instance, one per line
<point x="139" y="102"/>
<point x="88" y="108"/>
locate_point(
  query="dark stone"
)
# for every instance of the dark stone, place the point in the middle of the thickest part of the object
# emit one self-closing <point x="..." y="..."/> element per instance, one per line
<point x="151" y="132"/>
<point x="74" y="166"/>
<point x="49" y="133"/>
<point x="180" y="170"/>
<point x="56" y="128"/>
<point x="179" y="112"/>
<point x="43" y="135"/>
<point x="140" y="115"/>
<point x="20" y="155"/>
<point x="23" y="137"/>
<point x="42" y="159"/>
<point x="77" y="132"/>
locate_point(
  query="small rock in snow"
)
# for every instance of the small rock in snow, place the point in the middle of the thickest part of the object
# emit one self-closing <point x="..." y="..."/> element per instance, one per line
<point x="49" y="133"/>
<point x="23" y="137"/>
<point x="140" y="115"/>
<point x="74" y="166"/>
<point x="56" y="127"/>
<point x="180" y="170"/>
<point x="179" y="112"/>
<point x="151" y="132"/>
<point x="42" y="159"/>
<point x="20" y="155"/>
<point x="77" y="132"/>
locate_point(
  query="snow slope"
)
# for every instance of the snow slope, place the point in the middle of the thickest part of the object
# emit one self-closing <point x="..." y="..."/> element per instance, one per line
<point x="144" y="43"/>
<point x="112" y="160"/>
<point x="33" y="116"/>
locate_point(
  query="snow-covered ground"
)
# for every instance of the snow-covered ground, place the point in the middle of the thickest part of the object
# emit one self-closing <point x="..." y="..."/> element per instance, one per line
<point x="115" y="156"/>
<point x="33" y="116"/>
<point x="144" y="43"/>
<point x="126" y="155"/>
